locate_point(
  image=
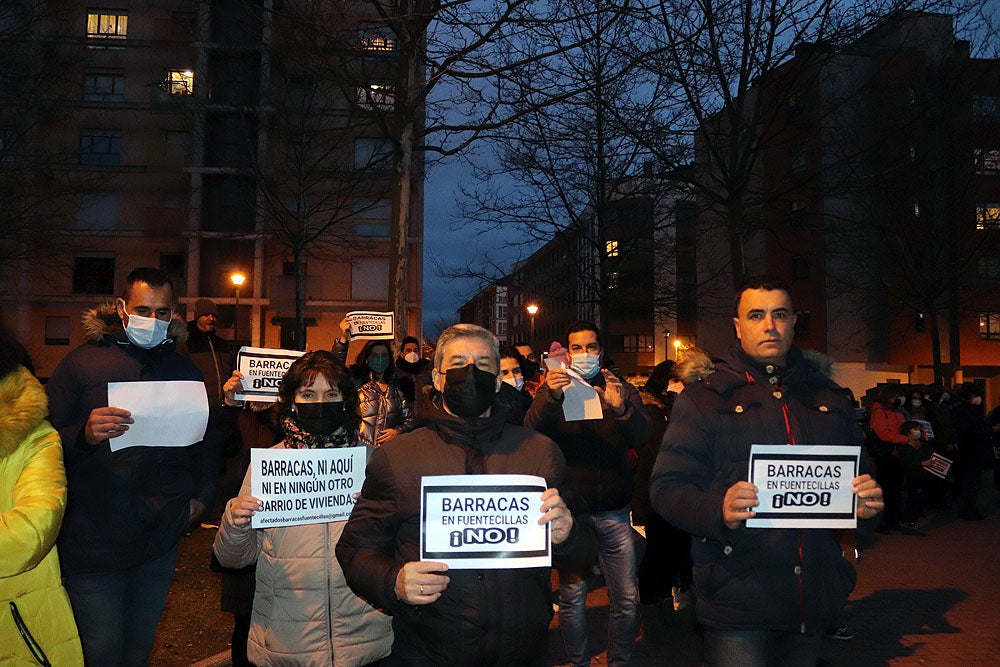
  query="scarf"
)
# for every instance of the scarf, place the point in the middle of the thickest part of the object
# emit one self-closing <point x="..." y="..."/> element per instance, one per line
<point x="296" y="438"/>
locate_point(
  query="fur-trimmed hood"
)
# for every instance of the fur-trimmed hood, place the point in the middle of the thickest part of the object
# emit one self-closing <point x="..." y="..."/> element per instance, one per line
<point x="103" y="321"/>
<point x="23" y="406"/>
<point x="698" y="365"/>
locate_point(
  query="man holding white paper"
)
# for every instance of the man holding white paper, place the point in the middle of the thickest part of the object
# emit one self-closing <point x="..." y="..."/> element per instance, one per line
<point x="445" y="615"/>
<point x="763" y="594"/>
<point x="127" y="509"/>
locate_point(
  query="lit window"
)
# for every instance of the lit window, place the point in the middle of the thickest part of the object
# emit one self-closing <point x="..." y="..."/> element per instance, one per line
<point x="377" y="38"/>
<point x="100" y="147"/>
<point x="989" y="326"/>
<point x="988" y="216"/>
<point x="638" y="343"/>
<point x="612" y="248"/>
<point x="180" y="82"/>
<point x="377" y="96"/>
<point x="104" y="86"/>
<point x="612" y="281"/>
<point x="107" y="24"/>
<point x="987" y="160"/>
<point x="916" y="209"/>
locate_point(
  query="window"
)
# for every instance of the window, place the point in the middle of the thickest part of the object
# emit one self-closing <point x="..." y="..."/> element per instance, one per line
<point x="377" y="96"/>
<point x="916" y="209"/>
<point x="180" y="81"/>
<point x="987" y="161"/>
<point x="920" y="323"/>
<point x="799" y="205"/>
<point x="7" y="140"/>
<point x="800" y="267"/>
<point x="93" y="275"/>
<point x="913" y="152"/>
<point x="56" y="330"/>
<point x="100" y="147"/>
<point x="501" y="327"/>
<point x="611" y="248"/>
<point x="612" y="281"/>
<point x="107" y="24"/>
<point x="502" y="311"/>
<point x="174" y="264"/>
<point x="97" y="211"/>
<point x="989" y="326"/>
<point x="373" y="154"/>
<point x="989" y="268"/>
<point x="104" y="86"/>
<point x="179" y="138"/>
<point x="372" y="217"/>
<point x="377" y="38"/>
<point x="370" y="278"/>
<point x="638" y="343"/>
<point x="986" y="106"/>
<point x="988" y="215"/>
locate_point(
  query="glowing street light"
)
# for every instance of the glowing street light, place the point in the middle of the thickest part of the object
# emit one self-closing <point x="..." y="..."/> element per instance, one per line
<point x="532" y="311"/>
<point x="237" y="279"/>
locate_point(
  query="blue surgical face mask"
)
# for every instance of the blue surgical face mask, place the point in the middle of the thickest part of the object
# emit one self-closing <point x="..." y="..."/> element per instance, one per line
<point x="586" y="364"/>
<point x="145" y="332"/>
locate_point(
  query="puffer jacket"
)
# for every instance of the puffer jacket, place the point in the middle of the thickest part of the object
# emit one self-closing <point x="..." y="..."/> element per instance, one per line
<point x="483" y="617"/>
<point x="32" y="500"/>
<point x="381" y="410"/>
<point x="753" y="578"/>
<point x="303" y="612"/>
<point x="127" y="507"/>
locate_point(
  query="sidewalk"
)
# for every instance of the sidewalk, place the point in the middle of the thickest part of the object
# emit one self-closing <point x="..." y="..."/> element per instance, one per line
<point x="929" y="600"/>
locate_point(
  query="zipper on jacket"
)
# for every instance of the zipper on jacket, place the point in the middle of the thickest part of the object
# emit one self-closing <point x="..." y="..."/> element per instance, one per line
<point x="29" y="640"/>
<point x="802" y="602"/>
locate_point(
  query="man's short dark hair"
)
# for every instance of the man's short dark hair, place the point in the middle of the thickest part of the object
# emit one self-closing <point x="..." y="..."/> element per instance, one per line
<point x="766" y="283"/>
<point x="522" y="343"/>
<point x="584" y="325"/>
<point x="408" y="340"/>
<point x="152" y="277"/>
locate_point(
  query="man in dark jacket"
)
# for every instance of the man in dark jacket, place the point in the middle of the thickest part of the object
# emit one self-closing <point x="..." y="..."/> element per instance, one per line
<point x="763" y="595"/>
<point x="127" y="509"/>
<point x="209" y="352"/>
<point x="459" y="616"/>
<point x="600" y="471"/>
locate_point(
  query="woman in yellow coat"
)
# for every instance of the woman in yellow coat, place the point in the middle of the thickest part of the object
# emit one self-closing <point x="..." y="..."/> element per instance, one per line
<point x="36" y="621"/>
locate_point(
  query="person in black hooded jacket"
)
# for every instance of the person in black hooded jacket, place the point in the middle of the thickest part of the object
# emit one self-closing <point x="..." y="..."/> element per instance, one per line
<point x="459" y="616"/>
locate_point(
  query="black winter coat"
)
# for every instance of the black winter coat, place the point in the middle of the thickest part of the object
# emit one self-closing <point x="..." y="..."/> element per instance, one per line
<point x="753" y="578"/>
<point x="127" y="507"/>
<point x="484" y="617"/>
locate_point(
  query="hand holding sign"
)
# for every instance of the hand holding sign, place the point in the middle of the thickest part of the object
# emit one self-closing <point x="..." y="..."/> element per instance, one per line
<point x="557" y="515"/>
<point x="869" y="495"/>
<point x="417" y="582"/>
<point x="242" y="509"/>
<point x="738" y="504"/>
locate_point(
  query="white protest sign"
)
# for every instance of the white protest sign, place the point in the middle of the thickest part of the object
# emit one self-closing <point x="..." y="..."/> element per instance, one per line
<point x="580" y="399"/>
<point x="171" y="413"/>
<point x="299" y="486"/>
<point x="804" y="486"/>
<point x="939" y="466"/>
<point x="262" y="370"/>
<point x="483" y="521"/>
<point x="370" y="324"/>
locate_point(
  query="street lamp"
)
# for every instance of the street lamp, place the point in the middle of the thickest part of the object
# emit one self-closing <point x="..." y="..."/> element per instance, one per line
<point x="237" y="279"/>
<point x="532" y="310"/>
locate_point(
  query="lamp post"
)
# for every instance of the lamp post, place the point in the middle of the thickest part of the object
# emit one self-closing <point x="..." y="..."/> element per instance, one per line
<point x="532" y="311"/>
<point x="237" y="279"/>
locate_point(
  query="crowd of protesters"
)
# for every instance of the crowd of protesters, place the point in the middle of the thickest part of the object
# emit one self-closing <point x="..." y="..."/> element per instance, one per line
<point x="666" y="461"/>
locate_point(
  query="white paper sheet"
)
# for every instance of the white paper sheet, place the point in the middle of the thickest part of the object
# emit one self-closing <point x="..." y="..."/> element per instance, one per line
<point x="166" y="414"/>
<point x="580" y="400"/>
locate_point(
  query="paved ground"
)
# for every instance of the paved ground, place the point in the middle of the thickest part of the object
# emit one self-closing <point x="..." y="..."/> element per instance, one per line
<point x="932" y="600"/>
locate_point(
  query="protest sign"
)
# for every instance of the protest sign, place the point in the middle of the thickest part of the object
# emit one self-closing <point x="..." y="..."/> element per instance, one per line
<point x="804" y="486"/>
<point x="939" y="466"/>
<point x="483" y="521"/>
<point x="171" y="413"/>
<point x="299" y="486"/>
<point x="262" y="370"/>
<point x="370" y="324"/>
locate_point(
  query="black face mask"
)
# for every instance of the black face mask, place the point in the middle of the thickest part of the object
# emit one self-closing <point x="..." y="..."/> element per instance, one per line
<point x="469" y="390"/>
<point x="320" y="418"/>
<point x="529" y="368"/>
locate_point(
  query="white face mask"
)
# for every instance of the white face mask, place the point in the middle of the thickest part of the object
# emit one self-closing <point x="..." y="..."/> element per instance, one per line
<point x="515" y="382"/>
<point x="411" y="357"/>
<point x="145" y="332"/>
<point x="977" y="400"/>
